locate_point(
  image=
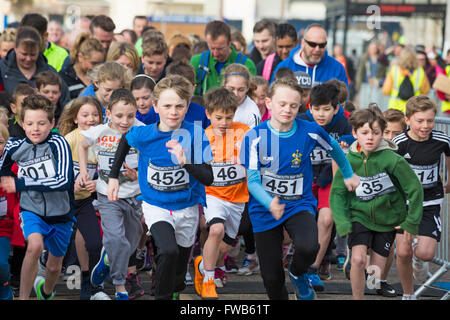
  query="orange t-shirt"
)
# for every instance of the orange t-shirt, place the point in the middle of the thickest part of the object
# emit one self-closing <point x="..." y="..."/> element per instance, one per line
<point x="230" y="178"/>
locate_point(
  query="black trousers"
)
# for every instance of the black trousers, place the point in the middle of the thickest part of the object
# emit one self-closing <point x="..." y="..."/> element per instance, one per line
<point x="171" y="261"/>
<point x="302" y="228"/>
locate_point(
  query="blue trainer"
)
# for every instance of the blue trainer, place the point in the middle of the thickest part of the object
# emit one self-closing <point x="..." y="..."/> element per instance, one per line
<point x="122" y="296"/>
<point x="340" y="262"/>
<point x="6" y="292"/>
<point x="303" y="288"/>
<point x="314" y="278"/>
<point x="101" y="270"/>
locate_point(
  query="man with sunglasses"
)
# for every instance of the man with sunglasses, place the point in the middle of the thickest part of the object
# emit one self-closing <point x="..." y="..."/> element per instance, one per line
<point x="311" y="57"/>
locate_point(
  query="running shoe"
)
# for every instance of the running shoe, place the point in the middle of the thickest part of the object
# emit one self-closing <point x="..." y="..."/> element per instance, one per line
<point x="340" y="260"/>
<point x="249" y="266"/>
<point x="176" y="296"/>
<point x="324" y="271"/>
<point x="386" y="290"/>
<point x="198" y="277"/>
<point x="141" y="255"/>
<point x="314" y="279"/>
<point x="303" y="287"/>
<point x="220" y="278"/>
<point x="230" y="265"/>
<point x="101" y="269"/>
<point x="100" y="295"/>
<point x="38" y="285"/>
<point x="134" y="286"/>
<point x="6" y="292"/>
<point x="209" y="290"/>
<point x="122" y="296"/>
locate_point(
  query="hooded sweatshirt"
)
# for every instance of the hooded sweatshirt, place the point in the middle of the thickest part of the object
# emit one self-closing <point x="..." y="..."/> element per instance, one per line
<point x="379" y="202"/>
<point x="328" y="68"/>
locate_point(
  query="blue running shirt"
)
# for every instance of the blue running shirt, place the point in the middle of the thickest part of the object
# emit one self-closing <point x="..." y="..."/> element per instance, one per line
<point x="285" y="166"/>
<point x="162" y="181"/>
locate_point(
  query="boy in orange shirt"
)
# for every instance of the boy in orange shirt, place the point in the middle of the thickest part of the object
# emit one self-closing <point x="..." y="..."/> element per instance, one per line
<point x="227" y="196"/>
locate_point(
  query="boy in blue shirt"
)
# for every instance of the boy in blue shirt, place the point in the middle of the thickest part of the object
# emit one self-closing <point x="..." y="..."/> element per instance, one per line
<point x="172" y="183"/>
<point x="279" y="173"/>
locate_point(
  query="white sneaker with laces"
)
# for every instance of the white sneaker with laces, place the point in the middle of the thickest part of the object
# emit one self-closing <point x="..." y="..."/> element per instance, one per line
<point x="100" y="296"/>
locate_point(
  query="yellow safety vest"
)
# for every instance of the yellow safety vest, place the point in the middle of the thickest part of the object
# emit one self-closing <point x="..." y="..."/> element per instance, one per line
<point x="446" y="104"/>
<point x="417" y="78"/>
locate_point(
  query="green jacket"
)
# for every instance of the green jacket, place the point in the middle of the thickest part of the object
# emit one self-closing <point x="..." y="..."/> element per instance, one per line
<point x="56" y="56"/>
<point x="213" y="79"/>
<point x="384" y="212"/>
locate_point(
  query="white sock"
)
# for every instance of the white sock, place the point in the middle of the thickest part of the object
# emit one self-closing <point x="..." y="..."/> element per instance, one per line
<point x="201" y="268"/>
<point x="209" y="275"/>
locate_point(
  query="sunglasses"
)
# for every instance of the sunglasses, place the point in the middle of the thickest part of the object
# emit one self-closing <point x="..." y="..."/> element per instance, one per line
<point x="315" y="44"/>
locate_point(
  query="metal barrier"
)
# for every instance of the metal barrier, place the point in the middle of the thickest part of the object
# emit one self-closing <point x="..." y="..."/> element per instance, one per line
<point x="441" y="257"/>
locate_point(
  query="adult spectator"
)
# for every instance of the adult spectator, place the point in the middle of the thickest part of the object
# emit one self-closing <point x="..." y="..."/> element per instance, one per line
<point x="220" y="54"/>
<point x="286" y="40"/>
<point x="22" y="64"/>
<point x="311" y="57"/>
<point x="86" y="53"/>
<point x="55" y="54"/>
<point x="338" y="54"/>
<point x="55" y="32"/>
<point x="263" y="40"/>
<point x="370" y="76"/>
<point x="401" y="89"/>
<point x="102" y="28"/>
<point x="139" y="23"/>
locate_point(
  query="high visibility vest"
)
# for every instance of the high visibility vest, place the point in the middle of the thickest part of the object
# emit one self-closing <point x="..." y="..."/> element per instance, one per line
<point x="416" y="79"/>
<point x="446" y="104"/>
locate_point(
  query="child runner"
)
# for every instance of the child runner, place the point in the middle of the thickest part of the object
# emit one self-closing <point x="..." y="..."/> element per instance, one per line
<point x="372" y="213"/>
<point x="259" y="96"/>
<point x="279" y="172"/>
<point x="236" y="78"/>
<point x="328" y="114"/>
<point x="395" y="125"/>
<point x="172" y="182"/>
<point x="8" y="202"/>
<point x="142" y="89"/>
<point x="83" y="113"/>
<point x="106" y="78"/>
<point x="227" y="196"/>
<point x="422" y="147"/>
<point x="45" y="183"/>
<point x="121" y="220"/>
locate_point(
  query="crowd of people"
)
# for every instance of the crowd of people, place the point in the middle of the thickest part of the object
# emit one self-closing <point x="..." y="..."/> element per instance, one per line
<point x="123" y="152"/>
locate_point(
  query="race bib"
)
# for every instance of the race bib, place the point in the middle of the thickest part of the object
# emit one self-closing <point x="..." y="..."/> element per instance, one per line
<point x="428" y="175"/>
<point x="3" y="207"/>
<point x="227" y="174"/>
<point x="286" y="187"/>
<point x="167" y="179"/>
<point x="375" y="186"/>
<point x="319" y="155"/>
<point x="39" y="168"/>
<point x="91" y="168"/>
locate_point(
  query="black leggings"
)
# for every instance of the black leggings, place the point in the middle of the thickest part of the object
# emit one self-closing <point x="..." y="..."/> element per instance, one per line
<point x="171" y="261"/>
<point x="302" y="228"/>
<point x="246" y="231"/>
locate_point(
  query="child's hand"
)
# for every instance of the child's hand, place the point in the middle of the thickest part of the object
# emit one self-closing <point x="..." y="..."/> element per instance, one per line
<point x="276" y="208"/>
<point x="352" y="183"/>
<point x="407" y="237"/>
<point x="177" y="150"/>
<point x="113" y="189"/>
<point x="343" y="144"/>
<point x="83" y="178"/>
<point x="8" y="184"/>
<point x="90" y="186"/>
<point x="130" y="173"/>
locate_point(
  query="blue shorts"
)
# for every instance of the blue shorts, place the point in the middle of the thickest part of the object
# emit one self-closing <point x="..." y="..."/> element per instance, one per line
<point x="56" y="236"/>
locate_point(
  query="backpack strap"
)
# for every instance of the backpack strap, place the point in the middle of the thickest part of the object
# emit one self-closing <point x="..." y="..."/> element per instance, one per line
<point x="268" y="66"/>
<point x="241" y="58"/>
<point x="202" y="71"/>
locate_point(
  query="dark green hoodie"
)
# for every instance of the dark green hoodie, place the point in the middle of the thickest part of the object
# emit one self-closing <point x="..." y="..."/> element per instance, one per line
<point x="379" y="203"/>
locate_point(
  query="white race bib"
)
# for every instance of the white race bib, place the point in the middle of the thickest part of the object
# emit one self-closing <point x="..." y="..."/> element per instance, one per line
<point x="227" y="174"/>
<point x="91" y="168"/>
<point x="286" y="187"/>
<point x="375" y="186"/>
<point x="39" y="168"/>
<point x="167" y="179"/>
<point x="428" y="175"/>
<point x="319" y="155"/>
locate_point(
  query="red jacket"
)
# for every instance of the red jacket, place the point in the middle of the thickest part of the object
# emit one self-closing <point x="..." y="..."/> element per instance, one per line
<point x="10" y="223"/>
